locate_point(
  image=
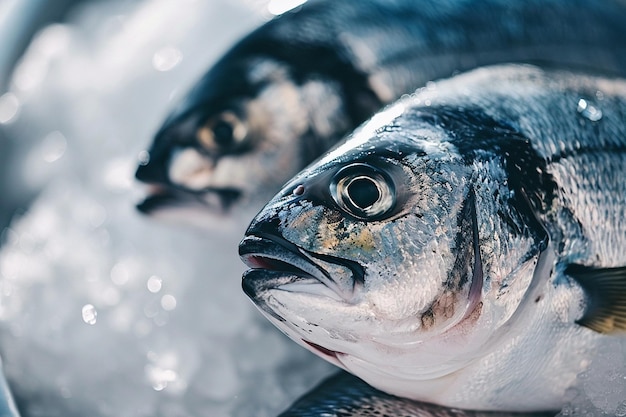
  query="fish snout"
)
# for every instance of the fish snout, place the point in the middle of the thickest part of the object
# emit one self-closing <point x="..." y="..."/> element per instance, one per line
<point x="151" y="172"/>
<point x="277" y="262"/>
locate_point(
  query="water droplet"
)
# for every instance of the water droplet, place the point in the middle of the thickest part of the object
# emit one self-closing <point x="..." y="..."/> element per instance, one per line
<point x="119" y="274"/>
<point x="277" y="7"/>
<point x="53" y="146"/>
<point x="168" y="302"/>
<point x="165" y="59"/>
<point x="588" y="110"/>
<point x="9" y="108"/>
<point x="143" y="158"/>
<point x="90" y="314"/>
<point x="160" y="377"/>
<point x="299" y="190"/>
<point x="154" y="284"/>
<point x="599" y="95"/>
<point x="162" y="370"/>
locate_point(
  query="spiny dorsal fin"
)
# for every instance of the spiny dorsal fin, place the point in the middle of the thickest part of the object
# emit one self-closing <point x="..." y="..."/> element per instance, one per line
<point x="606" y="289"/>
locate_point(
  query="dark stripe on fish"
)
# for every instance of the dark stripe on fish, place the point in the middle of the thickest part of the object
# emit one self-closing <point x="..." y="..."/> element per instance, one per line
<point x="467" y="268"/>
<point x="477" y="136"/>
<point x="305" y="57"/>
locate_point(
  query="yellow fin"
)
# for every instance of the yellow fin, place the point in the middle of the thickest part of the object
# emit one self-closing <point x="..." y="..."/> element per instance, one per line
<point x="606" y="291"/>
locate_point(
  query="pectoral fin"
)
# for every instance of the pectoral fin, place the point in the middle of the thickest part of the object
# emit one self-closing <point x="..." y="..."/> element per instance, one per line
<point x="606" y="291"/>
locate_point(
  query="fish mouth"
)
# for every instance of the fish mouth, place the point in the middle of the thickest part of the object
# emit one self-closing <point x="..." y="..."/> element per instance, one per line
<point x="279" y="264"/>
<point x="328" y="354"/>
<point x="161" y="197"/>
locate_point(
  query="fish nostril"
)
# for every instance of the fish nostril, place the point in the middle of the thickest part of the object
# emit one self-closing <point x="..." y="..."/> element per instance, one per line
<point x="263" y="226"/>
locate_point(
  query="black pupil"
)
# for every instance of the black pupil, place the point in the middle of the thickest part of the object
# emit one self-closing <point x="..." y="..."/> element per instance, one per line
<point x="223" y="133"/>
<point x="363" y="192"/>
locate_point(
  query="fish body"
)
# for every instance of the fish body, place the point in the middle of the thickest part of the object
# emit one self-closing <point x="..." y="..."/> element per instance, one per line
<point x="464" y="247"/>
<point x="344" y="395"/>
<point x="292" y="88"/>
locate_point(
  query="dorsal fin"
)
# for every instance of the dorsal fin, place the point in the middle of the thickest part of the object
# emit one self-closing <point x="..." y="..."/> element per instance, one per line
<point x="606" y="291"/>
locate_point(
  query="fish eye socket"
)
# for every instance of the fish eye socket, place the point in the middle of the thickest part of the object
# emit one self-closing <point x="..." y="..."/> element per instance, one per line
<point x="363" y="191"/>
<point x="223" y="131"/>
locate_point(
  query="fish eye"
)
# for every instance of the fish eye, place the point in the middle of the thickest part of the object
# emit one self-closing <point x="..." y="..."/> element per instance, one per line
<point x="223" y="131"/>
<point x="363" y="191"/>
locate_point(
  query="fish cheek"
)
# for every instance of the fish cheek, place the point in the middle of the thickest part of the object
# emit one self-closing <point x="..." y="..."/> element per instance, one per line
<point x="277" y="123"/>
<point x="301" y="223"/>
<point x="442" y="309"/>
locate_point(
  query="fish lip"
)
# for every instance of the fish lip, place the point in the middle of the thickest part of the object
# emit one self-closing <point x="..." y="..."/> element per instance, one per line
<point x="324" y="352"/>
<point x="156" y="198"/>
<point x="162" y="196"/>
<point x="276" y="254"/>
<point x="270" y="256"/>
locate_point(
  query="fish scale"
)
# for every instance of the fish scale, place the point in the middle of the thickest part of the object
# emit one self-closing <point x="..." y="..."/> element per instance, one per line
<point x="526" y="203"/>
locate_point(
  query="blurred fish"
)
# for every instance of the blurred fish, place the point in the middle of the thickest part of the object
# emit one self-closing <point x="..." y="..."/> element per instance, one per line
<point x="344" y="395"/>
<point x="466" y="246"/>
<point x="291" y="89"/>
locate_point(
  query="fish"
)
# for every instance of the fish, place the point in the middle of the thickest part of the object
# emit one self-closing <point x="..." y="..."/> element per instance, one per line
<point x="344" y="395"/>
<point x="295" y="86"/>
<point x="465" y="247"/>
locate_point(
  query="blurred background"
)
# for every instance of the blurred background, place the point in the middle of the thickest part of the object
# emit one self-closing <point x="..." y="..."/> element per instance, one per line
<point x="104" y="312"/>
<point x="19" y="21"/>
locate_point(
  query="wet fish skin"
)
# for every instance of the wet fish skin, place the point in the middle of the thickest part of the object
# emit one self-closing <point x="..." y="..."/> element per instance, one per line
<point x="344" y="395"/>
<point x="464" y="247"/>
<point x="302" y="81"/>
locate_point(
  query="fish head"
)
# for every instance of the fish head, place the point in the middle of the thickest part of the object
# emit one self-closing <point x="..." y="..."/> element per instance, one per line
<point x="244" y="129"/>
<point x="384" y="257"/>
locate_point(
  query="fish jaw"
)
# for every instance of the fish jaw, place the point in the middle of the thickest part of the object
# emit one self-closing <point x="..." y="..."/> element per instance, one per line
<point x="283" y="276"/>
<point x="211" y="210"/>
<point x="308" y="272"/>
<point x="351" y="326"/>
